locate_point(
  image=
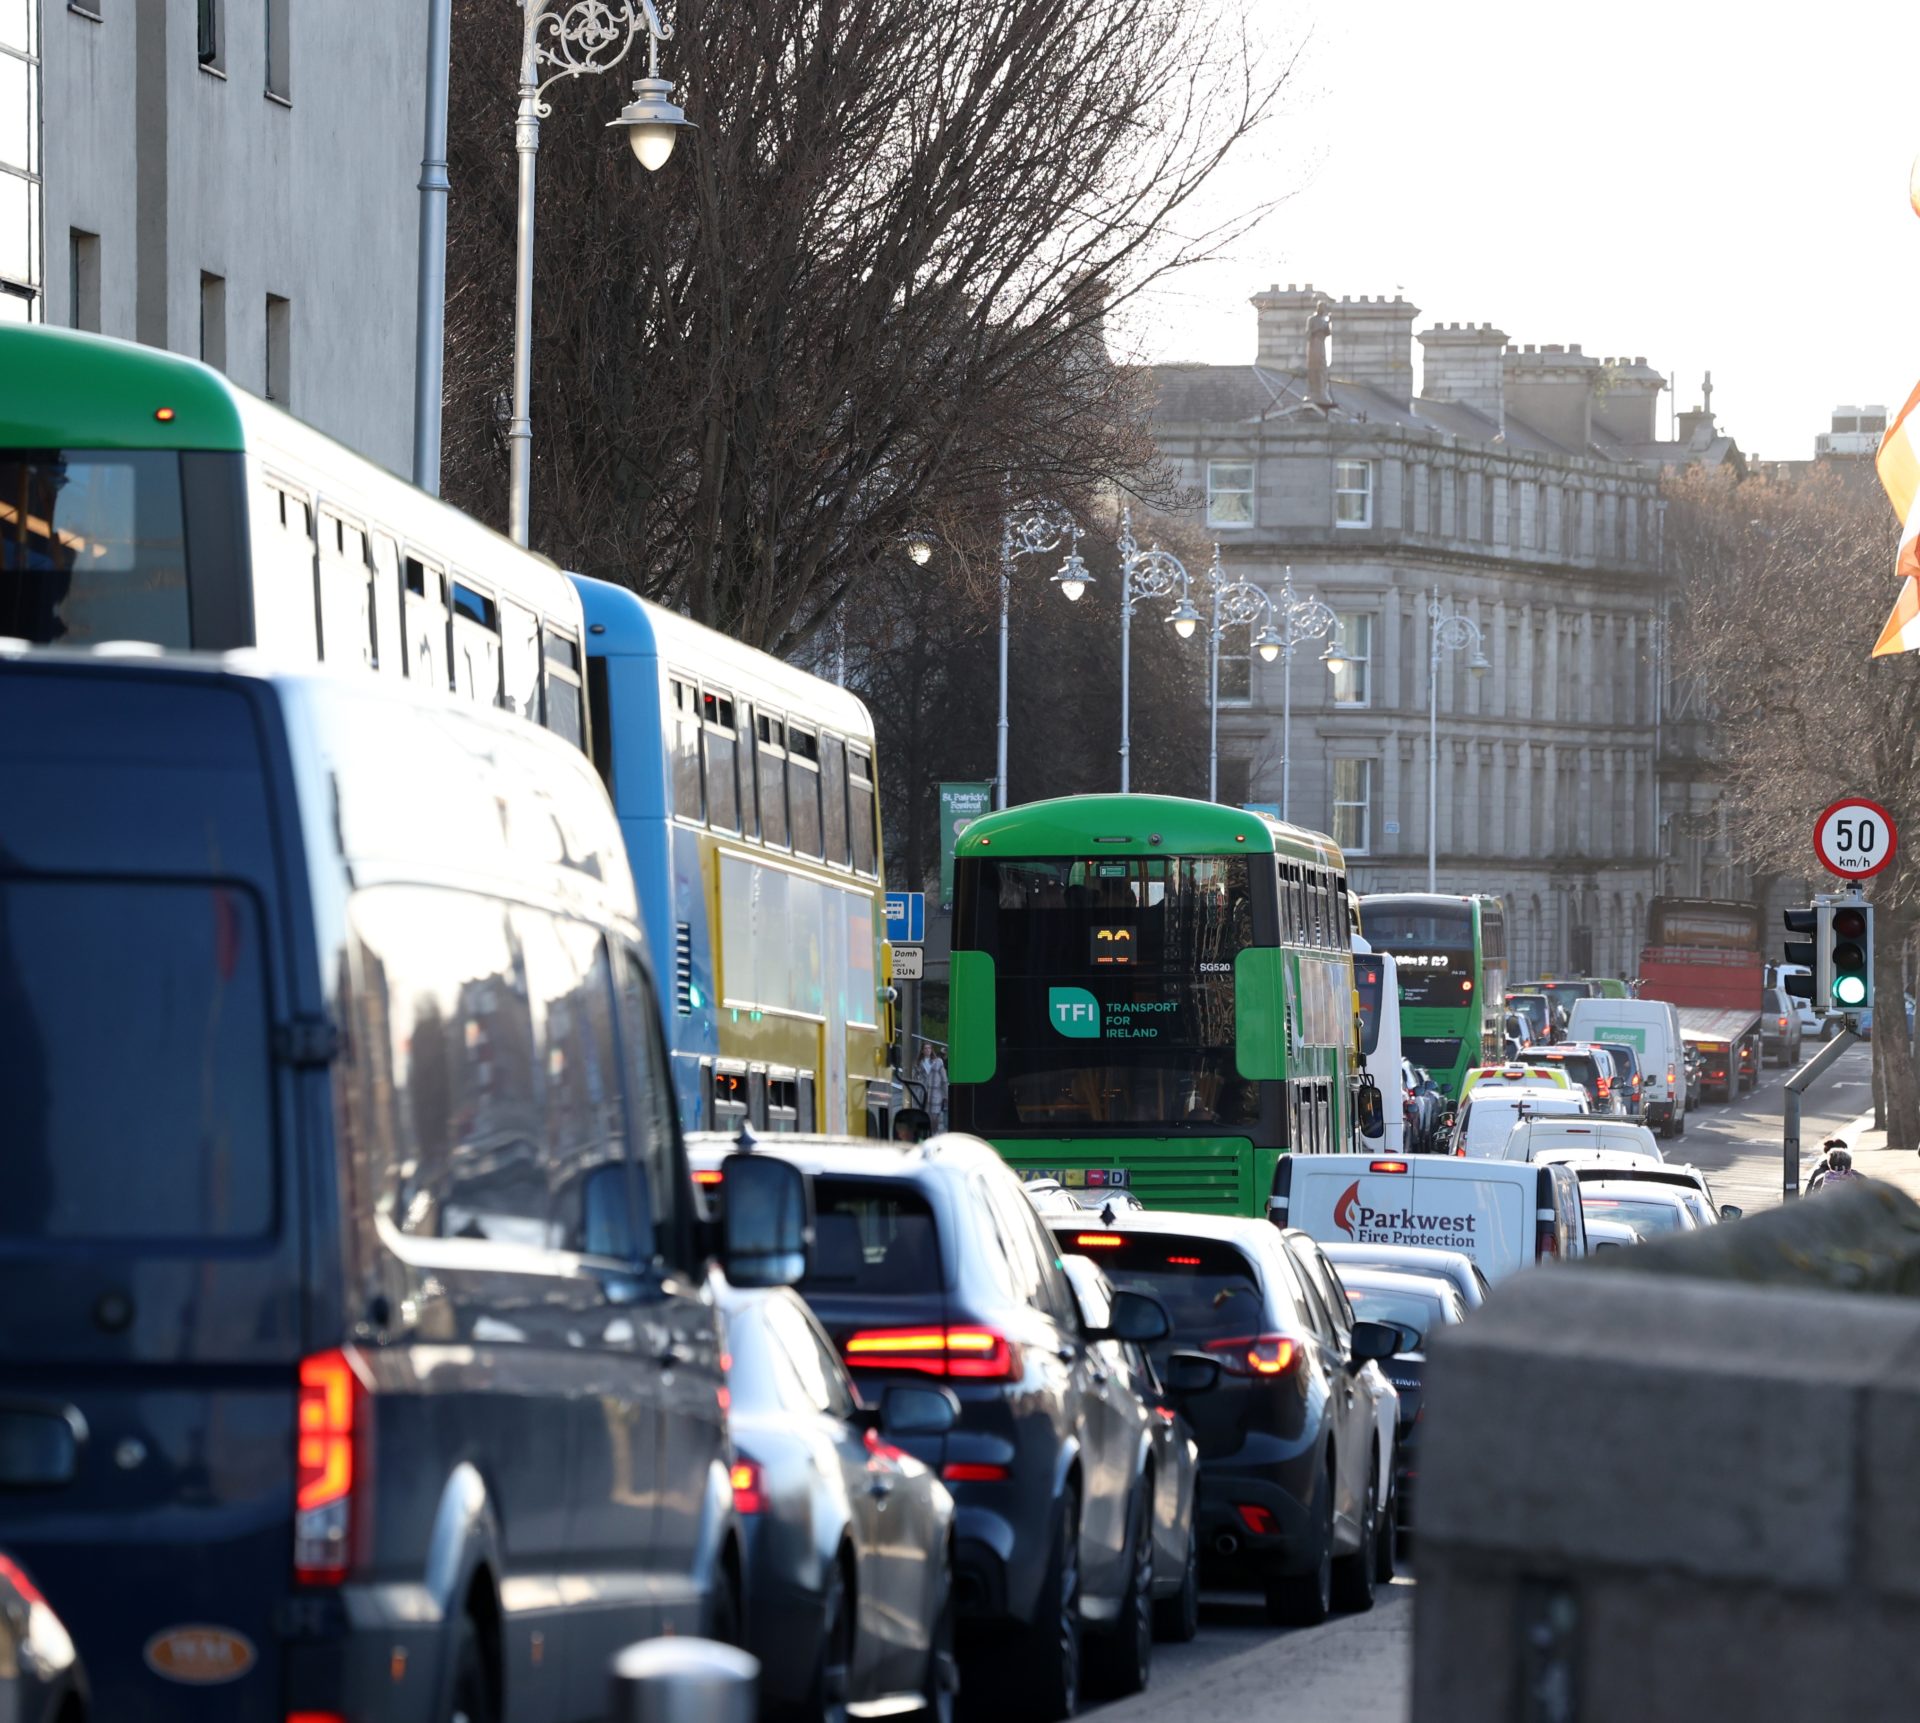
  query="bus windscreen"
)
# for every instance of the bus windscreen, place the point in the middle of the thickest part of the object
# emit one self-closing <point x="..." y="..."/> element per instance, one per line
<point x="1114" y="990"/>
<point x="1432" y="945"/>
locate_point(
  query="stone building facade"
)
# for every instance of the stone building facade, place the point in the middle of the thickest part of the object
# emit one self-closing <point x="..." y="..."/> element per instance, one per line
<point x="1519" y="486"/>
<point x="231" y="179"/>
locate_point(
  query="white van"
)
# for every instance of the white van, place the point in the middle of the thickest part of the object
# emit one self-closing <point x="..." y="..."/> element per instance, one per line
<point x="1651" y="1027"/>
<point x="1506" y="1215"/>
<point x="1488" y="1115"/>
<point x="1376" y="979"/>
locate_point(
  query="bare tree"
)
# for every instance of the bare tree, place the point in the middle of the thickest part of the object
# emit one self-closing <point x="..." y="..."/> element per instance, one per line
<point x="870" y="284"/>
<point x="1787" y="582"/>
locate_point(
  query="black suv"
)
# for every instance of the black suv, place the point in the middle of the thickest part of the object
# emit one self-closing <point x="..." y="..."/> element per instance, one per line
<point x="1296" y="1440"/>
<point x="929" y="1262"/>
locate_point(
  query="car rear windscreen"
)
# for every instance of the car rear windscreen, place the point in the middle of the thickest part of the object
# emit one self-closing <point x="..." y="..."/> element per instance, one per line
<point x="1418" y="1311"/>
<point x="870" y="1236"/>
<point x="1645" y="1216"/>
<point x="1210" y="1289"/>
<point x="135" y="1067"/>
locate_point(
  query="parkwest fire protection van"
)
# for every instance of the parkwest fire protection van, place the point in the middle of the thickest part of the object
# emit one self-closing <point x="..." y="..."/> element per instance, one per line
<point x="1504" y="1214"/>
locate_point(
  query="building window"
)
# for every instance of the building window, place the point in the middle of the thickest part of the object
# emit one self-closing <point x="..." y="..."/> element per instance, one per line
<point x="1235" y="667"/>
<point x="279" y="50"/>
<point x="83" y="280"/>
<point x="1229" y="493"/>
<point x="21" y="263"/>
<point x="210" y="43"/>
<point x="279" y="350"/>
<point x="213" y="320"/>
<point x="1353" y="493"/>
<point x="1353" y="806"/>
<point x="1352" y="681"/>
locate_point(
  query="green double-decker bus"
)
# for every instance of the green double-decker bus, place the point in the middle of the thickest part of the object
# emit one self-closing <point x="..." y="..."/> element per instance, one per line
<point x="1451" y="953"/>
<point x="1152" y="994"/>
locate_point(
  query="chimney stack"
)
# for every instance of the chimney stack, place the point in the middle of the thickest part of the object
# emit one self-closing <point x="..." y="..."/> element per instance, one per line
<point x="1373" y="345"/>
<point x="1465" y="363"/>
<point x="1552" y="390"/>
<point x="1628" y="403"/>
<point x="1283" y="326"/>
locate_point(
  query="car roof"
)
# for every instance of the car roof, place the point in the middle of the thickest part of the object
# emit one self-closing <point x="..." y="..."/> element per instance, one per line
<point x="1386" y="1280"/>
<point x="1632" y="1189"/>
<point x="1426" y="1258"/>
<point x="857" y="1157"/>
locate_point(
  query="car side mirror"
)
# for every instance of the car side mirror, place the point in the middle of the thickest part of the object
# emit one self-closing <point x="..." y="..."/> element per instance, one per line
<point x="1190" y="1373"/>
<point x="1731" y="1211"/>
<point x="1374" y="1342"/>
<point x="1371" y="1114"/>
<point x="1135" y="1317"/>
<point x="767" y="1225"/>
<point x="907" y="1409"/>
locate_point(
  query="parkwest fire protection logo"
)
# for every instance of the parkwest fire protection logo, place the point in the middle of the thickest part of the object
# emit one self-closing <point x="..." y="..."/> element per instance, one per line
<point x="1400" y="1225"/>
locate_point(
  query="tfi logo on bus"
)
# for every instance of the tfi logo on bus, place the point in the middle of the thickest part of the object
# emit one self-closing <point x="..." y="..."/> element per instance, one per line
<point x="1074" y="1012"/>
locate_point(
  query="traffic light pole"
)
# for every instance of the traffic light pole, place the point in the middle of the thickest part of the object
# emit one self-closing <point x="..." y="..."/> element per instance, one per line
<point x="1797" y="1084"/>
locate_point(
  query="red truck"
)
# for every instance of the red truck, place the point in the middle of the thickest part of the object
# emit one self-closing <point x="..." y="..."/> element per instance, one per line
<point x="1703" y="957"/>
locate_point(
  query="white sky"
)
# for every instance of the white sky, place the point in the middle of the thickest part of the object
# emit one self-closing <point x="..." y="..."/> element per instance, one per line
<point x="1714" y="186"/>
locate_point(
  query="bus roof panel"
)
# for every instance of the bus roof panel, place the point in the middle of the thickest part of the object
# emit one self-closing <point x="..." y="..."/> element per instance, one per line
<point x="1140" y="825"/>
<point x="76" y="391"/>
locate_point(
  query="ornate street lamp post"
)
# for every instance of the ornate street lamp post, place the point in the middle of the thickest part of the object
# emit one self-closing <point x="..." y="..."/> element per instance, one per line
<point x="1150" y="573"/>
<point x="569" y="39"/>
<point x="1447" y="632"/>
<point x="1029" y="529"/>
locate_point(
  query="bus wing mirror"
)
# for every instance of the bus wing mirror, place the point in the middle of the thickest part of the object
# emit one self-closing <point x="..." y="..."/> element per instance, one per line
<point x="1372" y="1116"/>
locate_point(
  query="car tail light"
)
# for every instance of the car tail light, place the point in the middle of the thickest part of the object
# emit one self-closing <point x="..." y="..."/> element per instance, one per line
<point x="1548" y="1243"/>
<point x="1183" y="1261"/>
<point x="1669" y="1076"/>
<point x="12" y="1574"/>
<point x="1255" y="1518"/>
<point x="1604" y="1085"/>
<point x="972" y="1472"/>
<point x="1783" y="1022"/>
<point x="333" y="1413"/>
<point x="1098" y="1241"/>
<point x="1255" y="1355"/>
<point x="708" y="1176"/>
<point x="315" y="1717"/>
<point x="749" y="1492"/>
<point x="966" y="1354"/>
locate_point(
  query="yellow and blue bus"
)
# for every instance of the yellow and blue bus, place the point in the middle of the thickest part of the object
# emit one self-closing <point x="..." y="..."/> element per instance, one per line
<point x="1152" y="994"/>
<point x="1451" y="953"/>
<point x="144" y="497"/>
<point x="747" y="794"/>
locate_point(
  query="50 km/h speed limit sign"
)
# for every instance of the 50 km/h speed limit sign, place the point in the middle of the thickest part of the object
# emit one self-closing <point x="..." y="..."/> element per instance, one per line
<point x="1854" y="838"/>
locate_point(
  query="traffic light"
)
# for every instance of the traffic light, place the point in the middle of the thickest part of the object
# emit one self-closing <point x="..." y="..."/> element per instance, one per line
<point x="1850" y="953"/>
<point x="1804" y="952"/>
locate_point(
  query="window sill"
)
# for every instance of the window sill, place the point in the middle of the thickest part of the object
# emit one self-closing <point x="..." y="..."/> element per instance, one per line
<point x="1231" y="525"/>
<point x="213" y="71"/>
<point x="86" y="12"/>
<point x="1353" y="705"/>
<point x="277" y="99"/>
<point x="1352" y="525"/>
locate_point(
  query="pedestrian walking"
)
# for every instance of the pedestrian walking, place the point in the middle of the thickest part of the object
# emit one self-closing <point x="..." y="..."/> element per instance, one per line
<point x="932" y="1072"/>
<point x="1823" y="1166"/>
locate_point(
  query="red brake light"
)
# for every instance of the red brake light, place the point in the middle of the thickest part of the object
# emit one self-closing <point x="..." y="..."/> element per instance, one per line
<point x="748" y="1495"/>
<point x="972" y="1472"/>
<point x="1783" y="1022"/>
<point x="1605" y="1085"/>
<point x="1098" y="1240"/>
<point x="708" y="1176"/>
<point x="331" y="1418"/>
<point x="1387" y="1166"/>
<point x="29" y="1592"/>
<point x="1184" y="1261"/>
<point x="969" y="1354"/>
<point x="1255" y="1354"/>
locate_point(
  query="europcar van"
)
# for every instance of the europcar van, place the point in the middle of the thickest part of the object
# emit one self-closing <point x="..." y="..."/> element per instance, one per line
<point x="1651" y="1027"/>
<point x="1506" y="1215"/>
<point x="355" y="1357"/>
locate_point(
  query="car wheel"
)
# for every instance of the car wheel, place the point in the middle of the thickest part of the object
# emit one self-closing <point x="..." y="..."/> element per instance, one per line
<point x="472" y="1694"/>
<point x="1177" y="1618"/>
<point x="1353" y="1574"/>
<point x="832" y="1671"/>
<point x="1306" y="1599"/>
<point x="1680" y="1126"/>
<point x="1385" y="1542"/>
<point x="1050" y="1689"/>
<point x="724" y="1622"/>
<point x="1130" y="1666"/>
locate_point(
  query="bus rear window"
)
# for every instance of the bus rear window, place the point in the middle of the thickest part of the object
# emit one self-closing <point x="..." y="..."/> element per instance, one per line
<point x="92" y="547"/>
<point x="1367" y="974"/>
<point x="134" y="1062"/>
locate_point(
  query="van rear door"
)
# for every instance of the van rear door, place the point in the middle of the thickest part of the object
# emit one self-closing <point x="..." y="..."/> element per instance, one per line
<point x="150" y="1268"/>
<point x="1484" y="1214"/>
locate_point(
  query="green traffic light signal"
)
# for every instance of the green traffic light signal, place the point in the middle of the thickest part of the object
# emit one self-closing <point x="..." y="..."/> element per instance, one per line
<point x="1851" y="930"/>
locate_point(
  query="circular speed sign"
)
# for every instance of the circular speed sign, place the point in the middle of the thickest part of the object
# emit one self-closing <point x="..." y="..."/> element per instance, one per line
<point x="1854" y="838"/>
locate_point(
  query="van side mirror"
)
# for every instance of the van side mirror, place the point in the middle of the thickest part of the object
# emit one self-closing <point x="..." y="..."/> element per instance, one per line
<point x="1134" y="1317"/>
<point x="767" y="1225"/>
<point x="1371" y="1114"/>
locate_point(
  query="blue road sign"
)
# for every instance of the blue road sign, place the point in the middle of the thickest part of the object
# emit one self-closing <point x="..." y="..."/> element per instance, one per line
<point x="906" y="917"/>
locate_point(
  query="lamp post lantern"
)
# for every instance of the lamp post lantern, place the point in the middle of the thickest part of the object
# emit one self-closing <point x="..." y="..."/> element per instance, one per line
<point x="1149" y="573"/>
<point x="1447" y="631"/>
<point x="1031" y="529"/>
<point x="563" y="39"/>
